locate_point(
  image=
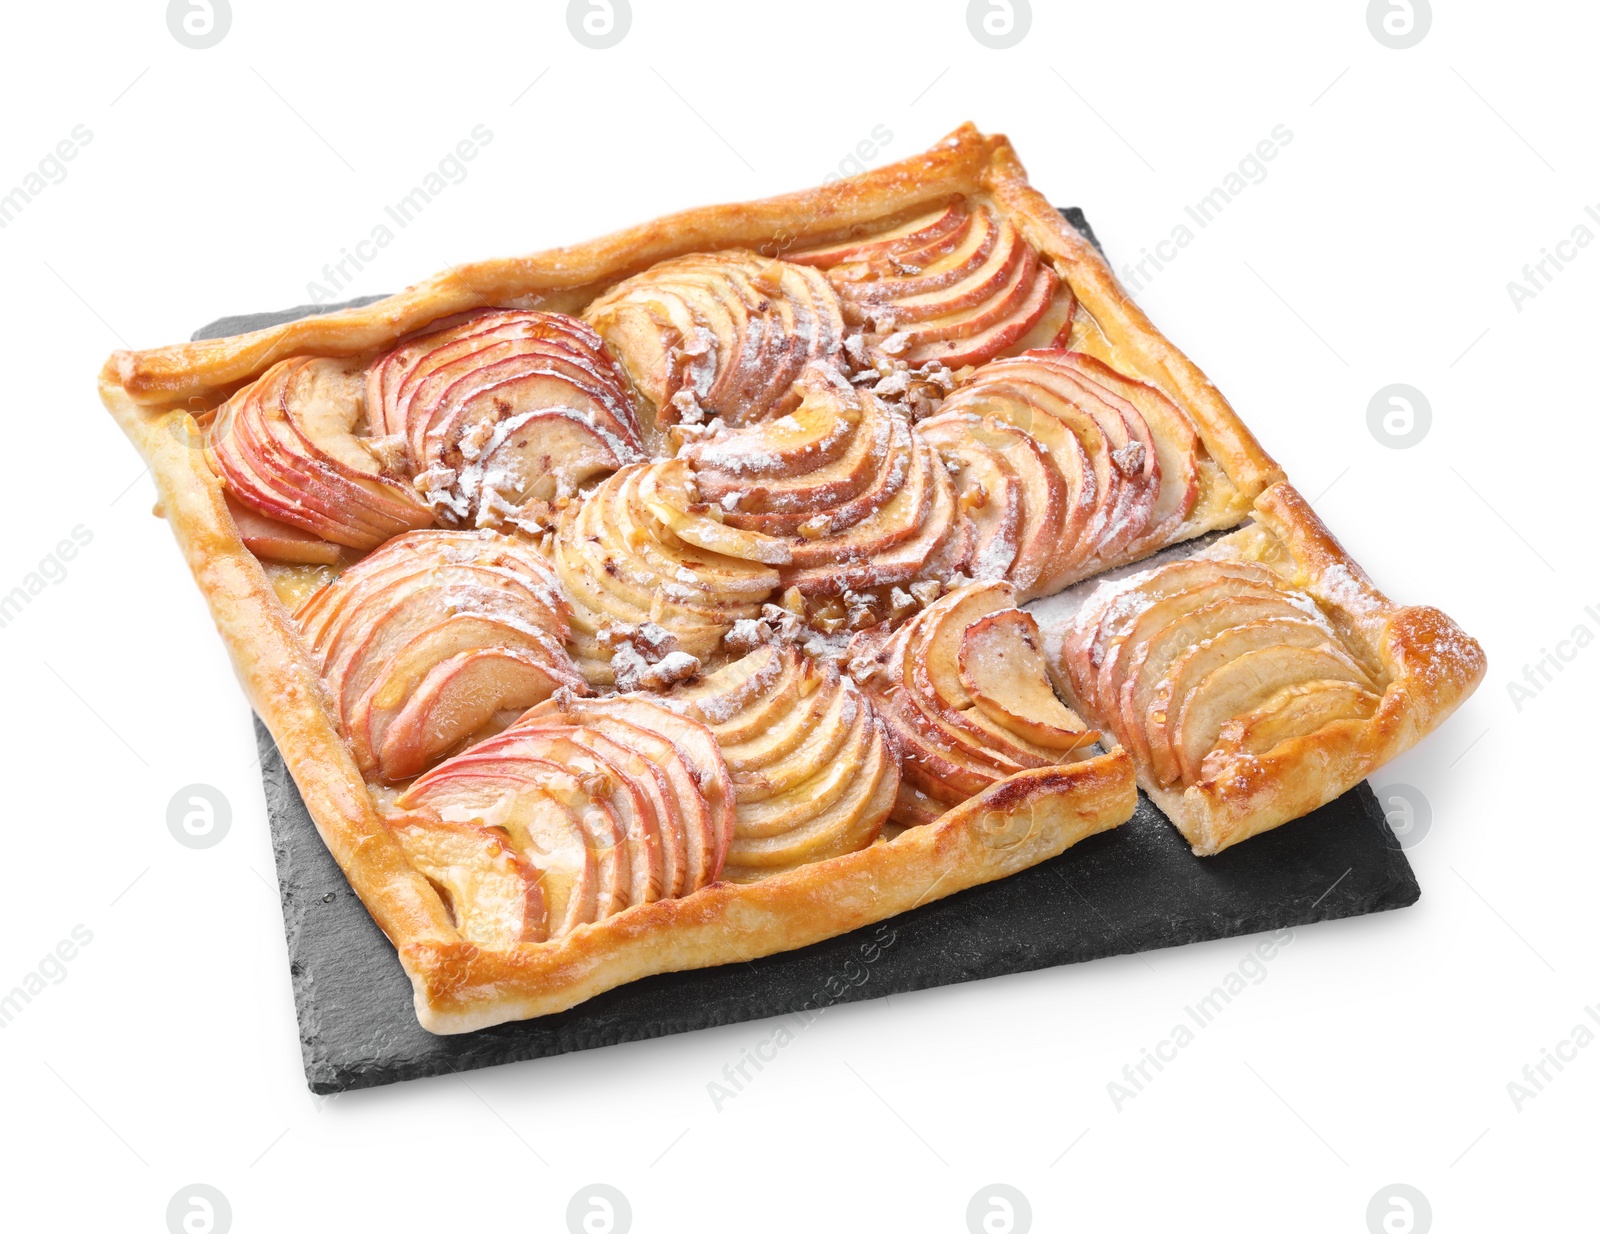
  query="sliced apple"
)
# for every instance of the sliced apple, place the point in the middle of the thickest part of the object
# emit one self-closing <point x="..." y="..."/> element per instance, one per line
<point x="989" y="492"/>
<point x="1294" y="711"/>
<point x="493" y="404"/>
<point x="1003" y="670"/>
<point x="745" y="697"/>
<point x="1233" y="644"/>
<point x="274" y="541"/>
<point x="951" y="747"/>
<point x="1135" y="676"/>
<point x="426" y="643"/>
<point x="848" y="822"/>
<point x="912" y="236"/>
<point x="806" y="756"/>
<point x="1240" y="685"/>
<point x="1177" y="447"/>
<point x="537" y="806"/>
<point x="684" y="749"/>
<point x="491" y="891"/>
<point x="1113" y="605"/>
<point x="664" y="490"/>
<point x="596" y="794"/>
<point x="462" y="697"/>
<point x="720" y="334"/>
<point x="290" y="447"/>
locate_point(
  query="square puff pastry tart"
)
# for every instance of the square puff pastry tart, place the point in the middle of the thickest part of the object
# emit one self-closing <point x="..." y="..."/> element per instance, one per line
<point x="653" y="603"/>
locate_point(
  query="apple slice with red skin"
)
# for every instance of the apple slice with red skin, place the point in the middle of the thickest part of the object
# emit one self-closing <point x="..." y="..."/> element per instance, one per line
<point x="912" y="236"/>
<point x="894" y="545"/>
<point x="773" y="477"/>
<point x="403" y="385"/>
<point x="348" y="608"/>
<point x="1053" y="329"/>
<point x="1242" y="684"/>
<point x="402" y="673"/>
<point x="1128" y="644"/>
<point x="600" y="800"/>
<point x="297" y="431"/>
<point x="1177" y="448"/>
<point x="998" y="309"/>
<point x="507" y="375"/>
<point x="997" y="337"/>
<point x="538" y="456"/>
<point x="876" y="295"/>
<point x="930" y="759"/>
<point x="408" y="609"/>
<point x="1295" y="711"/>
<point x="1003" y="671"/>
<point x="460" y="697"/>
<point x="950" y="286"/>
<point x="683" y="818"/>
<point x="1078" y="446"/>
<point x="492" y="891"/>
<point x="1133" y="458"/>
<point x="688" y="829"/>
<point x="1044" y="495"/>
<point x="778" y="489"/>
<point x="950" y="748"/>
<point x="663" y="488"/>
<point x="639" y="796"/>
<point x="274" y="541"/>
<point x="989" y="494"/>
<point x="392" y="637"/>
<point x="538" y="806"/>
<point x="933" y="672"/>
<point x="682" y="747"/>
<point x="476" y="388"/>
<point x="1236" y="642"/>
<point x="699" y="749"/>
<point x="407" y="554"/>
<point x="393" y="379"/>
<point x="287" y="447"/>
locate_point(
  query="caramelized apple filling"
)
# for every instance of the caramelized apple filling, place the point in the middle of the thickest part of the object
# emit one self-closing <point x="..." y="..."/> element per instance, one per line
<point x="745" y="501"/>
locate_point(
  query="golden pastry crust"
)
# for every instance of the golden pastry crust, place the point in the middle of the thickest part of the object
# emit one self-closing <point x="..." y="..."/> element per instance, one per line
<point x="1019" y="822"/>
<point x="154" y="396"/>
<point x="1426" y="664"/>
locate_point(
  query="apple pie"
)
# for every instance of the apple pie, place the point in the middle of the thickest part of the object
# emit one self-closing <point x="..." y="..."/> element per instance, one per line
<point x="670" y="600"/>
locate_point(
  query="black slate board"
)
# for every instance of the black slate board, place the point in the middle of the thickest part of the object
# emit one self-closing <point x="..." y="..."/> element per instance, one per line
<point x="1135" y="888"/>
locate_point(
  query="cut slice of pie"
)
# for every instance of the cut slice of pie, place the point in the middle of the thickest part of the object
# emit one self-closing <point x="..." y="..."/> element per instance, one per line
<point x="1260" y="677"/>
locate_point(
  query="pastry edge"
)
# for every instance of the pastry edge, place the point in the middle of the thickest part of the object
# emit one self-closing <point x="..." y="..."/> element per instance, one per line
<point x="460" y="988"/>
<point x="1433" y="667"/>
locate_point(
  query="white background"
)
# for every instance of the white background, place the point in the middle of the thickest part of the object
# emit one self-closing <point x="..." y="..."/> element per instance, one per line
<point x="1377" y="250"/>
